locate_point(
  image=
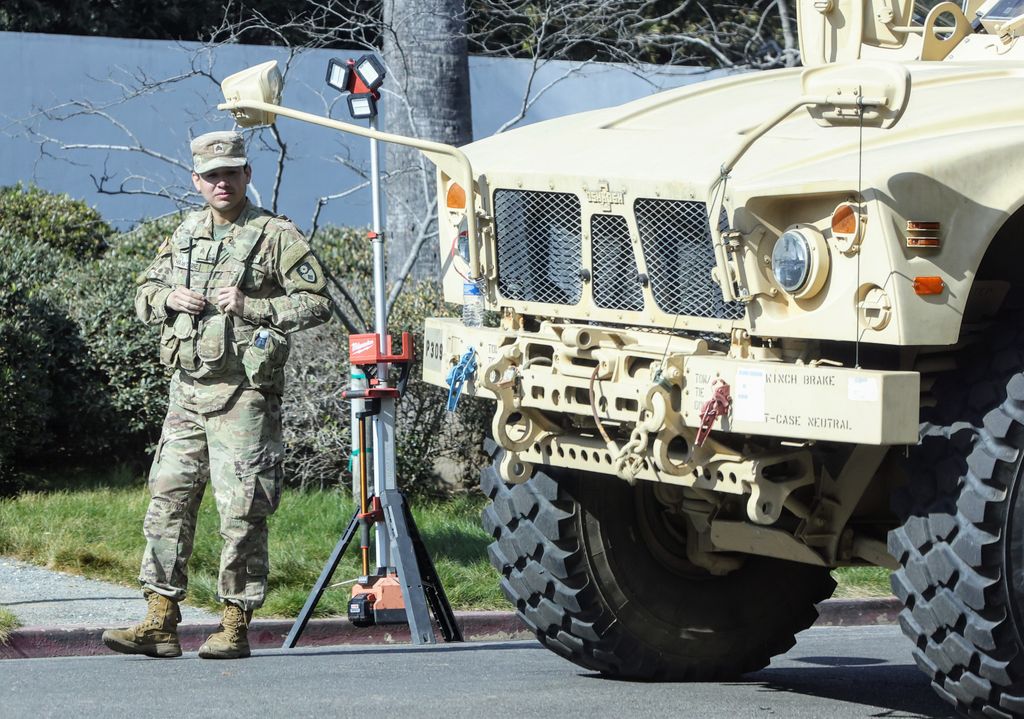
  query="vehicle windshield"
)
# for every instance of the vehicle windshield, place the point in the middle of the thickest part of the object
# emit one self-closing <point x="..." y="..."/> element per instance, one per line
<point x="1005" y="10"/>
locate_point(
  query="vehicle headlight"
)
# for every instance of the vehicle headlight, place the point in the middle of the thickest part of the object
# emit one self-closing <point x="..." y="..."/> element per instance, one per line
<point x="791" y="260"/>
<point x="800" y="261"/>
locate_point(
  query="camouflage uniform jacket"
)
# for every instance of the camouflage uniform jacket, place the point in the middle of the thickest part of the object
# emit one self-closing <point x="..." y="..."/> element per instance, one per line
<point x="214" y="354"/>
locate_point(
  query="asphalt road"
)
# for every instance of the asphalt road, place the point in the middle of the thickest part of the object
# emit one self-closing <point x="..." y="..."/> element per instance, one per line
<point x="833" y="672"/>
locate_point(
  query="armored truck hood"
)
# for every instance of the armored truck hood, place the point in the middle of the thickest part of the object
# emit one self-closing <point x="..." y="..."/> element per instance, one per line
<point x="684" y="135"/>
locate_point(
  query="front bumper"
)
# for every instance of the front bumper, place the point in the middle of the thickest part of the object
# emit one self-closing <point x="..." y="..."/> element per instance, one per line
<point x="649" y="379"/>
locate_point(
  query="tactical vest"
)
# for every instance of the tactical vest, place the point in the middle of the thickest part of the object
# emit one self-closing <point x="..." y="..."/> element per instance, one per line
<point x="212" y="343"/>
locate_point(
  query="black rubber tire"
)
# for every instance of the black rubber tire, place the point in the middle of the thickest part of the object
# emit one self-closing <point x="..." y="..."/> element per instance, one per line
<point x="583" y="578"/>
<point x="961" y="545"/>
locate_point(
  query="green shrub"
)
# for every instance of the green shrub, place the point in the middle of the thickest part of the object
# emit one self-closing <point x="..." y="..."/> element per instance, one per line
<point x="100" y="300"/>
<point x="142" y="241"/>
<point x="41" y="356"/>
<point x="75" y="379"/>
<point x="68" y="226"/>
<point x="27" y="336"/>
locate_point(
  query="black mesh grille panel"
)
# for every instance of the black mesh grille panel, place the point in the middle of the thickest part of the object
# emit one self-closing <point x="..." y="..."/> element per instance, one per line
<point x="676" y="242"/>
<point x="616" y="281"/>
<point x="539" y="246"/>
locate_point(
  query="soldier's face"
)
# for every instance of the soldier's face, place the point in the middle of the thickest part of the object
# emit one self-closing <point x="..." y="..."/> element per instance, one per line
<point x="223" y="189"/>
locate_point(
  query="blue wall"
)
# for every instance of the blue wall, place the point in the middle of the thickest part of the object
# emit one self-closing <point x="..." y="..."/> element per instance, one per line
<point x="47" y="72"/>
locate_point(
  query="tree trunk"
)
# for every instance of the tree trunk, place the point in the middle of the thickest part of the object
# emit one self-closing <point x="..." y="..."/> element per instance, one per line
<point x="427" y="96"/>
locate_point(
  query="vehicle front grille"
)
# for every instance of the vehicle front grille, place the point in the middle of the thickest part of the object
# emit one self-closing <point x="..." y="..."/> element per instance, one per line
<point x="676" y="241"/>
<point x="616" y="280"/>
<point x="539" y="243"/>
<point x="539" y="239"/>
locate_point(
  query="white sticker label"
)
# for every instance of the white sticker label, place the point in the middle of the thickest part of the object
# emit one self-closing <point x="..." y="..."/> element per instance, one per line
<point x="748" y="395"/>
<point x="862" y="389"/>
<point x="433" y="351"/>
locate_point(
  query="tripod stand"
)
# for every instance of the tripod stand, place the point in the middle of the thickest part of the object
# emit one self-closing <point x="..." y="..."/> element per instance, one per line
<point x="387" y="510"/>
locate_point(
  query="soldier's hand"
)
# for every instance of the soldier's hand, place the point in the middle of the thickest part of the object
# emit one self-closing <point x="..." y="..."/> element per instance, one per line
<point x="231" y="300"/>
<point x="185" y="300"/>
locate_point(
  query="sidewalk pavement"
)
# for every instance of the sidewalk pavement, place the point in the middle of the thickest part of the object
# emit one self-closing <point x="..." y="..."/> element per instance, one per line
<point x="64" y="615"/>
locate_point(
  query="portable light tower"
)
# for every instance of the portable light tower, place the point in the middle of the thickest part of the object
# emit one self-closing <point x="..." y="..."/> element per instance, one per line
<point x="252" y="96"/>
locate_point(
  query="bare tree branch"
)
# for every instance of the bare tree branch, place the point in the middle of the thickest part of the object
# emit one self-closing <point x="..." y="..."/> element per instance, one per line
<point x="322" y="201"/>
<point x="424" y="234"/>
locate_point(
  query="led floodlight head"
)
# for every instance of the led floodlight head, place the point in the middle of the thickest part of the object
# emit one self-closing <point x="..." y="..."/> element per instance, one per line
<point x="362" y="105"/>
<point x="339" y="74"/>
<point x="370" y="71"/>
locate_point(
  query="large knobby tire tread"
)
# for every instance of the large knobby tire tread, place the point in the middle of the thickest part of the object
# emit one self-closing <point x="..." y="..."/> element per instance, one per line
<point x="547" y="574"/>
<point x="953" y="546"/>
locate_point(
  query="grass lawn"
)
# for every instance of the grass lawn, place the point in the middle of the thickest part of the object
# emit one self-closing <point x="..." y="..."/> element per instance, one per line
<point x="8" y="623"/>
<point x="96" y="530"/>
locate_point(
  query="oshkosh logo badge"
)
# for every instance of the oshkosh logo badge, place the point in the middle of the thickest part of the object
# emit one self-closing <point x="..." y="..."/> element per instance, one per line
<point x="606" y="197"/>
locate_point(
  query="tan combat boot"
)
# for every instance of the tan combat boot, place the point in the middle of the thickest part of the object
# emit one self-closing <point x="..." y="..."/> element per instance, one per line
<point x="231" y="640"/>
<point x="155" y="636"/>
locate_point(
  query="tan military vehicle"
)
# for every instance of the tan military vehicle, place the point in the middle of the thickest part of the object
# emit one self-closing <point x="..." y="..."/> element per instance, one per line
<point x="754" y="329"/>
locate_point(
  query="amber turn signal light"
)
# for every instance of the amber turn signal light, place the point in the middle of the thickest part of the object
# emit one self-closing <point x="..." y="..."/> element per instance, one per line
<point x="456" y="198"/>
<point x="845" y="220"/>
<point x="929" y="285"/>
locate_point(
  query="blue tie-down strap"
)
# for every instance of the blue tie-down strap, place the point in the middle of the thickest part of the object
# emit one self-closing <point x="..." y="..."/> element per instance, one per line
<point x="458" y="375"/>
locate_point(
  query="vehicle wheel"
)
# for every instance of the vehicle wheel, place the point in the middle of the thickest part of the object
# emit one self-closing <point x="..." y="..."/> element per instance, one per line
<point x="961" y="546"/>
<point x="590" y="565"/>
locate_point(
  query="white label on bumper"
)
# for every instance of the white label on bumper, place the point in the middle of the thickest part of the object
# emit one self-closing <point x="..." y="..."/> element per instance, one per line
<point x="748" y="395"/>
<point x="862" y="389"/>
<point x="433" y="351"/>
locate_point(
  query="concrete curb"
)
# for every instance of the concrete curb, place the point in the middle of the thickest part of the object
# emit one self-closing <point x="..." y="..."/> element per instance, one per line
<point x="858" y="612"/>
<point x="40" y="642"/>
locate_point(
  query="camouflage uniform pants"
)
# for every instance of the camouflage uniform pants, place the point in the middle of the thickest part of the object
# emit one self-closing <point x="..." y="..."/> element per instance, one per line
<point x="239" y="450"/>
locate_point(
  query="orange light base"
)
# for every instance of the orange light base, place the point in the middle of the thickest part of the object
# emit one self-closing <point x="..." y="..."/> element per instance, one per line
<point x="388" y="604"/>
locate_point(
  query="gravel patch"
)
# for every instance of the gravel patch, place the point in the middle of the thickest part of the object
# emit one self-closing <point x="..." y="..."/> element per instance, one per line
<point x="41" y="597"/>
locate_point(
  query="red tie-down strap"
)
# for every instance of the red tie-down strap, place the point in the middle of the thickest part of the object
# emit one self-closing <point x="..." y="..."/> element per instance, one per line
<point x="714" y="408"/>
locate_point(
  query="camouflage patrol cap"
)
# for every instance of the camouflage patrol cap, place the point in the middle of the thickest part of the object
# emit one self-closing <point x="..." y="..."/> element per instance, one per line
<point x="217" y="149"/>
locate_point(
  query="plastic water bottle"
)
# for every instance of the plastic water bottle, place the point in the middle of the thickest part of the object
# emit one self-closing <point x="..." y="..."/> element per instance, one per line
<point x="472" y="305"/>
<point x="261" y="339"/>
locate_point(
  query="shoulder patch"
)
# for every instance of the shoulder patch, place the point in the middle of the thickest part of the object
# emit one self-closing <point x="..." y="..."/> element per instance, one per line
<point x="307" y="274"/>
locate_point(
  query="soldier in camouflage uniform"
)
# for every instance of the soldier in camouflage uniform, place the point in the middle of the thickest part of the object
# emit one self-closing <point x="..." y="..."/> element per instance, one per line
<point x="226" y="289"/>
